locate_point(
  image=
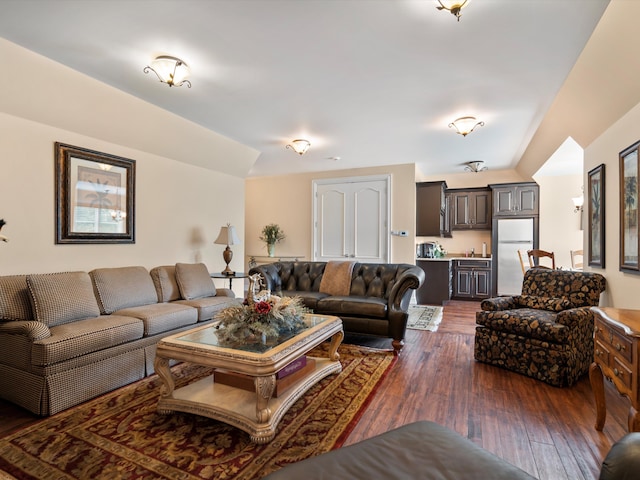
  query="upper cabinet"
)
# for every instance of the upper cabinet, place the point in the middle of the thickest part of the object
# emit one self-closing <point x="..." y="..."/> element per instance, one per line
<point x="431" y="209"/>
<point x="515" y="199"/>
<point x="470" y="208"/>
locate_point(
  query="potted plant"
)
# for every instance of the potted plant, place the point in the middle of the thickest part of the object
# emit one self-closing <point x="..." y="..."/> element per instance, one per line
<point x="271" y="234"/>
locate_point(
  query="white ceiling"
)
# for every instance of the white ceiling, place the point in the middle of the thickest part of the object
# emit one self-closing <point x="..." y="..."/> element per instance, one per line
<point x="374" y="82"/>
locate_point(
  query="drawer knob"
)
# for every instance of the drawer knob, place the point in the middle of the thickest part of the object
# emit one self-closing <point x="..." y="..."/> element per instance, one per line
<point x="597" y="329"/>
<point x="620" y="347"/>
<point x="598" y="352"/>
<point x="617" y="372"/>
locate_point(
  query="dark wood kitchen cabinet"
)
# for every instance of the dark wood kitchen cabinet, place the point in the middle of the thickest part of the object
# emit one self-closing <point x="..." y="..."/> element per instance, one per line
<point x="436" y="288"/>
<point x="515" y="199"/>
<point x="472" y="279"/>
<point x="430" y="209"/>
<point x="470" y="208"/>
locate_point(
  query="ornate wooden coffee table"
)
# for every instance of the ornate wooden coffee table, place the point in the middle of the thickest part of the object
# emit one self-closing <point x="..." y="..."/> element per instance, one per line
<point x="257" y="413"/>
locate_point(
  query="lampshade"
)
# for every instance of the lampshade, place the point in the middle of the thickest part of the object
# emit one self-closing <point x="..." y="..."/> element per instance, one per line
<point x="300" y="146"/>
<point x="578" y="202"/>
<point x="465" y="125"/>
<point x="170" y="70"/>
<point x="227" y="236"/>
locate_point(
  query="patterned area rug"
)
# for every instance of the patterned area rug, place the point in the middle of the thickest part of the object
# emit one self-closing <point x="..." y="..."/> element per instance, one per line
<point x="120" y="434"/>
<point x="424" y="317"/>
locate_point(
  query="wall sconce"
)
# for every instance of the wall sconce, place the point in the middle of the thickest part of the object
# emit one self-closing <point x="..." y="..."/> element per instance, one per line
<point x="578" y="202"/>
<point x="227" y="236"/>
<point x="454" y="6"/>
<point x="2" y="224"/>
<point x="170" y="70"/>
<point x="300" y="146"/>
<point x="465" y="125"/>
<point x="475" y="166"/>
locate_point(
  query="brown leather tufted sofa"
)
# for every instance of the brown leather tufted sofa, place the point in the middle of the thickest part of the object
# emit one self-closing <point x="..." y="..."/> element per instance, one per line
<point x="547" y="331"/>
<point x="377" y="303"/>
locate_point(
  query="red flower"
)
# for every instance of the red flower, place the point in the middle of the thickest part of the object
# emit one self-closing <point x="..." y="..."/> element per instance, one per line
<point x="262" y="307"/>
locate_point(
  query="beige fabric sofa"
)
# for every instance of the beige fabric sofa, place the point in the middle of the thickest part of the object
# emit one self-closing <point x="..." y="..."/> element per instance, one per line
<point x="68" y="337"/>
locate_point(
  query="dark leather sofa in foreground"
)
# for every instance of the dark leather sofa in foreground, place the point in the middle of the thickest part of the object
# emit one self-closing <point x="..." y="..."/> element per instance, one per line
<point x="370" y="298"/>
<point x="428" y="451"/>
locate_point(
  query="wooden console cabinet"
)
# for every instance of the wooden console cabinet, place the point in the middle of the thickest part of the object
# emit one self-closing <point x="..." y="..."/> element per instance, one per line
<point x="616" y="343"/>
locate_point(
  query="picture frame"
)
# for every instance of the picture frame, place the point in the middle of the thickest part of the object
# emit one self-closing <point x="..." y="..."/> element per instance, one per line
<point x="629" y="239"/>
<point x="95" y="196"/>
<point x="596" y="215"/>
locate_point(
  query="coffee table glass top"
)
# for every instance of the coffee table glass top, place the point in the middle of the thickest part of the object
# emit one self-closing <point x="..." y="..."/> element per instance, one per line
<point x="209" y="336"/>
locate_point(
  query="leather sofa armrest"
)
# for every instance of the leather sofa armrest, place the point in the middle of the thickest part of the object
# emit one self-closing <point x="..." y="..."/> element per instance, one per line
<point x="498" y="303"/>
<point x="411" y="278"/>
<point x="623" y="460"/>
<point x="31" y="329"/>
<point x="575" y="316"/>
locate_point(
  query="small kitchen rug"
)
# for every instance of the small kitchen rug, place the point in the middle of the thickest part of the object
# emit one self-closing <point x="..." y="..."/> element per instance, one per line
<point x="424" y="317"/>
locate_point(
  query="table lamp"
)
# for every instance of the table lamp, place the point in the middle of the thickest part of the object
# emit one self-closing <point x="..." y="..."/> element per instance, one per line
<point x="227" y="236"/>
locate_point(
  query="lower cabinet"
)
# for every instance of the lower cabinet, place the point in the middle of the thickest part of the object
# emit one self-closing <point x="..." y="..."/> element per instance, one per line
<point x="471" y="279"/>
<point x="436" y="288"/>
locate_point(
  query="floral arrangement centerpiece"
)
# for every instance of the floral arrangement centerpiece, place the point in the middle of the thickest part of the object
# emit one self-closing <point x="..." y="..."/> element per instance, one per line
<point x="260" y="316"/>
<point x="439" y="251"/>
<point x="271" y="234"/>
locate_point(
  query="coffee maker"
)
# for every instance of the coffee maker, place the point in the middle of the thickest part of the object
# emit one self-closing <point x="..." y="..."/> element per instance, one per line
<point x="425" y="250"/>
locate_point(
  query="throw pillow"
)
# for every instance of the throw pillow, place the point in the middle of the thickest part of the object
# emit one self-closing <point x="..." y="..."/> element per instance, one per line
<point x="59" y="298"/>
<point x="194" y="281"/>
<point x="544" y="303"/>
<point x="15" y="300"/>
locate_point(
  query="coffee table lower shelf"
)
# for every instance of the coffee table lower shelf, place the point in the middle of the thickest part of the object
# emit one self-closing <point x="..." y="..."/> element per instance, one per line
<point x="237" y="407"/>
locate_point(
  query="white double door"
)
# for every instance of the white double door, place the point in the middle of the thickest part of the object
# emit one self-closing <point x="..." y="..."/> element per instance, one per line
<point x="351" y="219"/>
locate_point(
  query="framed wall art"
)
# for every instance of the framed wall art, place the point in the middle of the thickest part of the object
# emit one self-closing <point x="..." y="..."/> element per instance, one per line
<point x="95" y="196"/>
<point x="629" y="168"/>
<point x="595" y="211"/>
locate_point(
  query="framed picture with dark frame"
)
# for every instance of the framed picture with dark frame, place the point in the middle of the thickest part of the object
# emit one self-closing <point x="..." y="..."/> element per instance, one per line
<point x="595" y="211"/>
<point x="95" y="196"/>
<point x="629" y="244"/>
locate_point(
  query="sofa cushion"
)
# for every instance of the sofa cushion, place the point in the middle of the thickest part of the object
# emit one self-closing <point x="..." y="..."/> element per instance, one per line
<point x="85" y="336"/>
<point x="353" y="305"/>
<point x="528" y="323"/>
<point x="310" y="299"/>
<point x="207" y="307"/>
<point x="194" y="281"/>
<point x="164" y="279"/>
<point x="161" y="317"/>
<point x="59" y="298"/>
<point x="123" y="287"/>
<point x="15" y="300"/>
<point x="543" y="303"/>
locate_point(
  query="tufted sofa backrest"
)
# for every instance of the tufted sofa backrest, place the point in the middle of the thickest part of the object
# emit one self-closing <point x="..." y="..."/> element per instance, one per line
<point x="582" y="289"/>
<point x="374" y="279"/>
<point x="302" y="276"/>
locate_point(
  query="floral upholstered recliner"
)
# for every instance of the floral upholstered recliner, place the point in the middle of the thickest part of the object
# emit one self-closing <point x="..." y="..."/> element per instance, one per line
<point x="547" y="331"/>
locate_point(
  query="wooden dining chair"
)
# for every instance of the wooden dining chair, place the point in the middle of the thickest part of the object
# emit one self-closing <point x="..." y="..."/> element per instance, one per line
<point x="577" y="259"/>
<point x="521" y="255"/>
<point x="535" y="255"/>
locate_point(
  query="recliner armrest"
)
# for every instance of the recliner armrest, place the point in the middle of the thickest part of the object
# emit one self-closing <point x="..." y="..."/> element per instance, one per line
<point x="498" y="303"/>
<point x="575" y="316"/>
<point x="31" y="329"/>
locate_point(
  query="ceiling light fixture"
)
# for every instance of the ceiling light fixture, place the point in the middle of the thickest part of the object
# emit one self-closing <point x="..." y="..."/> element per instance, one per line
<point x="300" y="146"/>
<point x="170" y="70"/>
<point x="475" y="166"/>
<point x="454" y="6"/>
<point x="465" y="125"/>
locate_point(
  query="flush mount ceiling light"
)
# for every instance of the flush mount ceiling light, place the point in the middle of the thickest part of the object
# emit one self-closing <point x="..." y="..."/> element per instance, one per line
<point x="300" y="146"/>
<point x="454" y="6"/>
<point x="170" y="70"/>
<point x="465" y="125"/>
<point x="475" y="166"/>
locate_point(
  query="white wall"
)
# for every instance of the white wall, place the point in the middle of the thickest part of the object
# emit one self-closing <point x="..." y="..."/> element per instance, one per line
<point x="622" y="288"/>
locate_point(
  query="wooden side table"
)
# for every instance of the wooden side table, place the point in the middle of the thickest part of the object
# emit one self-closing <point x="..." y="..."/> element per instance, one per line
<point x="230" y="277"/>
<point x="616" y="347"/>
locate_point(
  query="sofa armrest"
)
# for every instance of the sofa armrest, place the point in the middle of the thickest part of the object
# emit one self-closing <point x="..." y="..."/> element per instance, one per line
<point x="269" y="273"/>
<point x="411" y="278"/>
<point x="498" y="303"/>
<point x="225" y="292"/>
<point x="32" y="329"/>
<point x="575" y="316"/>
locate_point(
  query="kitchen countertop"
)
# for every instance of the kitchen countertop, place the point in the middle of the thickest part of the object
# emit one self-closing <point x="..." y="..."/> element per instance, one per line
<point x="454" y="256"/>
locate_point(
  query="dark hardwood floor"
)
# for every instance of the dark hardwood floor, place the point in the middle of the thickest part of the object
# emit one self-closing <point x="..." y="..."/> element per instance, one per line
<point x="544" y="430"/>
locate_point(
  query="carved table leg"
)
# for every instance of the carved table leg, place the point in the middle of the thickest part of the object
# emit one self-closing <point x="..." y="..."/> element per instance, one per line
<point x="597" y="385"/>
<point x="336" y="340"/>
<point x="161" y="366"/>
<point x="634" y="420"/>
<point x="264" y="389"/>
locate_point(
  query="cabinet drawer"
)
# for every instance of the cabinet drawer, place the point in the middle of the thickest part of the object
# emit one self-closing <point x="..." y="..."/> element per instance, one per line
<point x="471" y="263"/>
<point x="622" y="372"/>
<point x="615" y="341"/>
<point x="602" y="354"/>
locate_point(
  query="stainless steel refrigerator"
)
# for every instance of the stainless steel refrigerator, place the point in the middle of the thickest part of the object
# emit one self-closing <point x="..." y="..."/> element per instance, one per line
<point x="513" y="234"/>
